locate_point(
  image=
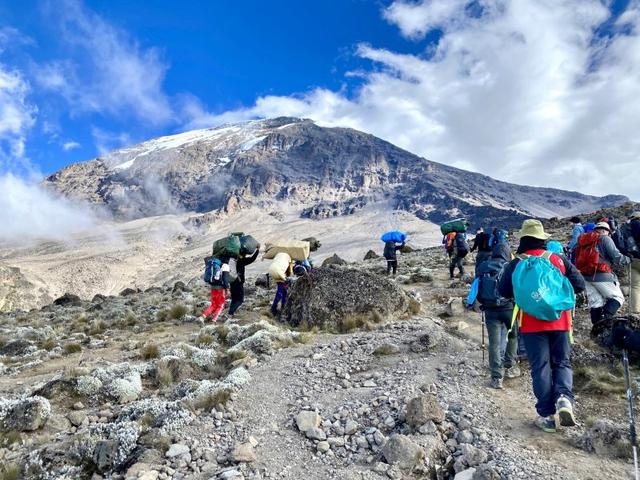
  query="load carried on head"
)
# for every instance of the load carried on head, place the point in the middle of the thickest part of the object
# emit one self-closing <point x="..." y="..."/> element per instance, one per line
<point x="394" y="236"/>
<point x="314" y="243"/>
<point x="459" y="225"/>
<point x="235" y="245"/>
<point x="296" y="249"/>
<point x="280" y="267"/>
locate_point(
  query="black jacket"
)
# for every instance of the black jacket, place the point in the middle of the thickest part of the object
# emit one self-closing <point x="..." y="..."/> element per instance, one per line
<point x="242" y="262"/>
<point x="505" y="287"/>
<point x="635" y="229"/>
<point x="390" y="249"/>
<point x="481" y="242"/>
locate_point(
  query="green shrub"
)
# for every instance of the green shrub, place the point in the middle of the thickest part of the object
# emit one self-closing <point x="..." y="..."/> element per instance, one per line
<point x="72" y="348"/>
<point x="177" y="311"/>
<point x="10" y="472"/>
<point x="48" y="344"/>
<point x="149" y="351"/>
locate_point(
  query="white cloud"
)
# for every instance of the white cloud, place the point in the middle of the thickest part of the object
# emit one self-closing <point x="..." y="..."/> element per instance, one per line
<point x="72" y="145"/>
<point x="27" y="211"/>
<point x="107" y="141"/>
<point x="520" y="90"/>
<point x="17" y="116"/>
<point x="110" y="73"/>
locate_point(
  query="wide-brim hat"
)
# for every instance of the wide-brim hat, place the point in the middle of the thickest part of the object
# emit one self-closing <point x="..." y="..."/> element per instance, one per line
<point x="635" y="214"/>
<point x="603" y="225"/>
<point x="533" y="228"/>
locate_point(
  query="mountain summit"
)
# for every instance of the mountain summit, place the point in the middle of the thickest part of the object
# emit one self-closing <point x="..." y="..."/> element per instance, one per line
<point x="325" y="172"/>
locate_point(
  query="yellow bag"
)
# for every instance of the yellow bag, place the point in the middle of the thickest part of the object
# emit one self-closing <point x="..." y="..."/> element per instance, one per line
<point x="296" y="249"/>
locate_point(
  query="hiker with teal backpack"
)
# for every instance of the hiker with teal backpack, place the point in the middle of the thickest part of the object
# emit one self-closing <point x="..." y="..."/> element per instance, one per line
<point x="543" y="285"/>
<point x="498" y="313"/>
<point x="216" y="274"/>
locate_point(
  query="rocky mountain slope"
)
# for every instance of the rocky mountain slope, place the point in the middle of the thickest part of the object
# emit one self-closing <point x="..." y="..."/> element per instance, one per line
<point x="131" y="387"/>
<point x="323" y="172"/>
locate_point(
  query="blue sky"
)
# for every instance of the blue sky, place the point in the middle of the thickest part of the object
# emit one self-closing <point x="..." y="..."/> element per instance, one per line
<point x="540" y="92"/>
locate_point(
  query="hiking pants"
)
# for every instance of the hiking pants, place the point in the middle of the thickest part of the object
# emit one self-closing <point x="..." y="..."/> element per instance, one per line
<point x="496" y="323"/>
<point x="281" y="297"/>
<point x="217" y="304"/>
<point x="599" y="293"/>
<point x="634" y="288"/>
<point x="392" y="265"/>
<point x="549" y="359"/>
<point x="456" y="261"/>
<point x="237" y="295"/>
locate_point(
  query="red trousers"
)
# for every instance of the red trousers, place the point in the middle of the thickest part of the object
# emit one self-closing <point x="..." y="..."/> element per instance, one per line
<point x="217" y="304"/>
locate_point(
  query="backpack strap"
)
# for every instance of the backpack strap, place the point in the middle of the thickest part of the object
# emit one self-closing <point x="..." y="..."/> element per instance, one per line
<point x="547" y="255"/>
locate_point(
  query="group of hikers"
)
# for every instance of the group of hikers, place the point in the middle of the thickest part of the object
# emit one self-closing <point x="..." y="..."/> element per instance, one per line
<point x="532" y="295"/>
<point x="528" y="297"/>
<point x="290" y="260"/>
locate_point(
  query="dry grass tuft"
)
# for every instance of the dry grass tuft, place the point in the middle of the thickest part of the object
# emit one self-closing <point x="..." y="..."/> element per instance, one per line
<point x="70" y="348"/>
<point x="178" y="311"/>
<point x="149" y="351"/>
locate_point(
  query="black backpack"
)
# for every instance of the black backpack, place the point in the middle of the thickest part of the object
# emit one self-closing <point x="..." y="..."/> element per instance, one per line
<point x="625" y="242"/>
<point x="489" y="274"/>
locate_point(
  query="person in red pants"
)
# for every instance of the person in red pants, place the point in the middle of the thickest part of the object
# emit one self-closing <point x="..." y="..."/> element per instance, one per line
<point x="218" y="293"/>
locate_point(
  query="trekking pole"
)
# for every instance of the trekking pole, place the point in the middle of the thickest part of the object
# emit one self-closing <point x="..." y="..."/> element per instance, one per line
<point x="627" y="379"/>
<point x="483" y="346"/>
<point x="632" y="423"/>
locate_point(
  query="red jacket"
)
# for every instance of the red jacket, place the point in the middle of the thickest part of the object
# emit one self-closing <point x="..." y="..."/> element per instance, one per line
<point x="530" y="324"/>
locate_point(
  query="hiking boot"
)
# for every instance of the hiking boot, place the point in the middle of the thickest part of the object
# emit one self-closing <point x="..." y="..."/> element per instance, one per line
<point x="547" y="424"/>
<point x="600" y="326"/>
<point x="565" y="412"/>
<point x="512" y="372"/>
<point x="496" y="383"/>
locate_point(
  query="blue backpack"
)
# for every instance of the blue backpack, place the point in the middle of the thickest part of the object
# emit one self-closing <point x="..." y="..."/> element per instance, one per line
<point x="540" y="289"/>
<point x="213" y="272"/>
<point x="488" y="274"/>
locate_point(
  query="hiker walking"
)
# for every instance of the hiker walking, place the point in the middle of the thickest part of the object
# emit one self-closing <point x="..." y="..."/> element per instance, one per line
<point x="482" y="243"/>
<point x="390" y="249"/>
<point x="460" y="250"/>
<point x="576" y="231"/>
<point x="448" y="243"/>
<point x="498" y="313"/>
<point x="217" y="275"/>
<point x="237" y="286"/>
<point x="281" y="271"/>
<point x="527" y="279"/>
<point x="595" y="255"/>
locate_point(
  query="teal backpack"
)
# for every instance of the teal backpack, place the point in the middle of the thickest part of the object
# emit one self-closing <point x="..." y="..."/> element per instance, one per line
<point x="540" y="289"/>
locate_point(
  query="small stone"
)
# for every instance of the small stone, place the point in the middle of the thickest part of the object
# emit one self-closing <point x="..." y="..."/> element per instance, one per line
<point x="473" y="456"/>
<point x="336" y="441"/>
<point x="316" y="434"/>
<point x="78" y="406"/>
<point x="306" y="420"/>
<point x="323" y="447"/>
<point x="77" y="418"/>
<point x="465" y="436"/>
<point x="465" y="474"/>
<point x="244" y="453"/>
<point x="177" y="450"/>
<point x="369" y="384"/>
<point x="423" y="409"/>
<point x="403" y="452"/>
<point x="351" y="427"/>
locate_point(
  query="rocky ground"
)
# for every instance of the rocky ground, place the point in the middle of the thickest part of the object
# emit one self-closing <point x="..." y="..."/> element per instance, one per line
<point x="133" y="387"/>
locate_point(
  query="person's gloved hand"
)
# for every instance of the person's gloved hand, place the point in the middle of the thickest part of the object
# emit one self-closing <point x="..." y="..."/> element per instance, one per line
<point x="619" y="333"/>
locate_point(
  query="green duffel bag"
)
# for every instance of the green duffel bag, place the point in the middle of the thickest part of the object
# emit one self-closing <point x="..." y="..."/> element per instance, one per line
<point x="314" y="243"/>
<point x="248" y="245"/>
<point x="226" y="247"/>
<point x="457" y="225"/>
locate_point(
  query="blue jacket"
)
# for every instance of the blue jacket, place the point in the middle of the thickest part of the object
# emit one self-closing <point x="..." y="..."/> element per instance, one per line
<point x="578" y="230"/>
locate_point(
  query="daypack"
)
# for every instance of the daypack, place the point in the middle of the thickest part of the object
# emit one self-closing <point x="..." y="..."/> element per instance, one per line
<point x="625" y="241"/>
<point x="540" y="288"/>
<point x="587" y="255"/>
<point x="489" y="276"/>
<point x="213" y="272"/>
<point x="461" y="246"/>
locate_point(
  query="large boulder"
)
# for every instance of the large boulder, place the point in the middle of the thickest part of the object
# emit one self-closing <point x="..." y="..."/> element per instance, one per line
<point x="24" y="415"/>
<point x="330" y="297"/>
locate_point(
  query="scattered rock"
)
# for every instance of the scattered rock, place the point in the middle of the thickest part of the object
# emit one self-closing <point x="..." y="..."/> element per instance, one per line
<point x="467" y="474"/>
<point x="371" y="255"/>
<point x="68" y="299"/>
<point x="24" y="415"/>
<point x="17" y="348"/>
<point x="333" y="260"/>
<point x="605" y="438"/>
<point x="403" y="452"/>
<point x="423" y="409"/>
<point x="244" y="452"/>
<point x="315" y="433"/>
<point x="307" y="420"/>
<point x="177" y="450"/>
